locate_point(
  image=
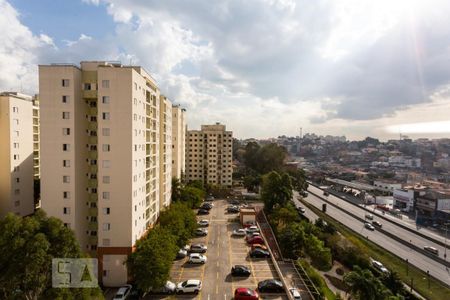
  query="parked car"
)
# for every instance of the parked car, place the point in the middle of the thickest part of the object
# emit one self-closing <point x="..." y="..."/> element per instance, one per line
<point x="380" y="267"/>
<point x="256" y="240"/>
<point x="259" y="253"/>
<point x="369" y="216"/>
<point x="203" y="223"/>
<point x="240" y="270"/>
<point x="197" y="258"/>
<point x="209" y="198"/>
<point x="202" y="211"/>
<point x="206" y="206"/>
<point x="239" y="232"/>
<point x="431" y="250"/>
<point x="234" y="202"/>
<point x="252" y="235"/>
<point x="295" y="294"/>
<point x="198" y="248"/>
<point x="123" y="292"/>
<point x="182" y="253"/>
<point x="242" y="293"/>
<point x="260" y="246"/>
<point x="377" y="224"/>
<point x="301" y="209"/>
<point x="270" y="286"/>
<point x="252" y="228"/>
<point x="249" y="224"/>
<point x="369" y="226"/>
<point x="189" y="286"/>
<point x="232" y="209"/>
<point x="201" y="232"/>
<point x="168" y="288"/>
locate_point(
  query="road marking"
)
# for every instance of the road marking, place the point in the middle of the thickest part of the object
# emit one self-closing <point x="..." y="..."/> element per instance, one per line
<point x="217" y="289"/>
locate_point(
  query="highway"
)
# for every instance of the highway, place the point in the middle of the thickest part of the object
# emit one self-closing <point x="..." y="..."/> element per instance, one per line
<point x="415" y="258"/>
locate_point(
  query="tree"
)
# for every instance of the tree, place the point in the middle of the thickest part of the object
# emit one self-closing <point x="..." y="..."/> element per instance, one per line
<point x="276" y="190"/>
<point x="269" y="158"/>
<point x="281" y="216"/>
<point x="363" y="285"/>
<point x="319" y="254"/>
<point x="180" y="220"/>
<point x="197" y="184"/>
<point x="292" y="240"/>
<point x="151" y="262"/>
<point x="192" y="195"/>
<point x="393" y="283"/>
<point x="176" y="189"/>
<point x="298" y="178"/>
<point x="28" y="246"/>
<point x="252" y="182"/>
<point x="250" y="155"/>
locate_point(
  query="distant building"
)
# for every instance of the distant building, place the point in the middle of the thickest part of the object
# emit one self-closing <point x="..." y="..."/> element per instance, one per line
<point x="431" y="202"/>
<point x="387" y="187"/>
<point x="178" y="141"/>
<point x="209" y="155"/>
<point x="16" y="154"/>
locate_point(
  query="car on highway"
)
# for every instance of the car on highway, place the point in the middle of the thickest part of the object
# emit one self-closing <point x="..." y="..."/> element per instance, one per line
<point x="242" y="293"/>
<point x="197" y="258"/>
<point x="203" y="223"/>
<point x="182" y="253"/>
<point x="304" y="194"/>
<point x="123" y="292"/>
<point x="380" y="267"/>
<point x="252" y="228"/>
<point x="259" y="253"/>
<point x="432" y="250"/>
<point x="377" y="224"/>
<point x="201" y="232"/>
<point x="239" y="232"/>
<point x="256" y="240"/>
<point x="240" y="270"/>
<point x="270" y="286"/>
<point x="301" y="209"/>
<point x="168" y="288"/>
<point x="202" y="211"/>
<point x="369" y="216"/>
<point x="325" y="193"/>
<point x="295" y="294"/>
<point x="232" y="209"/>
<point x="260" y="246"/>
<point x="189" y="286"/>
<point x="369" y="226"/>
<point x="198" y="248"/>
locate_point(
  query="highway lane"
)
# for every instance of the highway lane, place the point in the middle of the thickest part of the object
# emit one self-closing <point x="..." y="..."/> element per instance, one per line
<point x="419" y="260"/>
<point x="400" y="232"/>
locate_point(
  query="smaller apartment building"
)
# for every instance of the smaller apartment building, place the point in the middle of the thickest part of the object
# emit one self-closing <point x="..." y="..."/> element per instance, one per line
<point x="209" y="155"/>
<point x="178" y="141"/>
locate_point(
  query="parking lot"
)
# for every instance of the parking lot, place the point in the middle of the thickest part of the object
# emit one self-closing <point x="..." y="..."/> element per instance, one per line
<point x="224" y="251"/>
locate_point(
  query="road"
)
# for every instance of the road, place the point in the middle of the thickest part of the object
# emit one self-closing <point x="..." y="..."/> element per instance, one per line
<point x="419" y="260"/>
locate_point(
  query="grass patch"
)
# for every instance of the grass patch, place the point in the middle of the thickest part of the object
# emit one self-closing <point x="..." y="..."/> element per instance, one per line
<point x="437" y="290"/>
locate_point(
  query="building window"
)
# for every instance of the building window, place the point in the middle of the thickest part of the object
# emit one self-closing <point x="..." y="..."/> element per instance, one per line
<point x="105" y="195"/>
<point x="106" y="131"/>
<point x="105" y="116"/>
<point x="66" y="147"/>
<point x="106" y="226"/>
<point x="16" y="133"/>
<point x="105" y="99"/>
<point x="16" y="156"/>
<point x="66" y="163"/>
<point x="66" y="195"/>
<point x="16" y="169"/>
<point x="16" y="145"/>
<point x="105" y="84"/>
<point x="66" y="179"/>
<point x="106" y="147"/>
<point x="66" y="131"/>
<point x="66" y="210"/>
<point x="17" y="192"/>
<point x="106" y="210"/>
<point x="65" y="99"/>
<point x="17" y="203"/>
<point x="87" y="87"/>
<point x="106" y="164"/>
<point x="65" y="82"/>
<point x="66" y="115"/>
<point x="106" y="179"/>
<point x="15" y="109"/>
<point x="17" y="179"/>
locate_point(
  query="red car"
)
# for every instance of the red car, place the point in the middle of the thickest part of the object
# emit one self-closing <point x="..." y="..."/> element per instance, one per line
<point x="245" y="294"/>
<point x="249" y="223"/>
<point x="256" y="240"/>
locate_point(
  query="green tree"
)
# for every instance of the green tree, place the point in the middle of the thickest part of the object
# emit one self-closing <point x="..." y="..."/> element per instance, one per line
<point x="298" y="178"/>
<point x="252" y="182"/>
<point x="269" y="158"/>
<point x="319" y="254"/>
<point x="250" y="155"/>
<point x="28" y="246"/>
<point x="151" y="262"/>
<point x="393" y="283"/>
<point x="192" y="195"/>
<point x="180" y="220"/>
<point x="276" y="190"/>
<point x="197" y="184"/>
<point x="363" y="285"/>
<point x="292" y="240"/>
<point x="283" y="215"/>
<point x="176" y="189"/>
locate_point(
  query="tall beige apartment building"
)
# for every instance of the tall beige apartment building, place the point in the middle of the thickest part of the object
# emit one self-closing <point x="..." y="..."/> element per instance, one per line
<point x="178" y="141"/>
<point x="209" y="155"/>
<point x="105" y="135"/>
<point x="36" y="138"/>
<point x="16" y="154"/>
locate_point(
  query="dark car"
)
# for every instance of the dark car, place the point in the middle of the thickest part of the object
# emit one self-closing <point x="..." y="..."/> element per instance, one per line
<point x="377" y="224"/>
<point x="206" y="206"/>
<point x="240" y="270"/>
<point x="202" y="211"/>
<point x="259" y="253"/>
<point x="201" y="232"/>
<point x="233" y="209"/>
<point x="270" y="286"/>
<point x="325" y="193"/>
<point x="235" y="202"/>
<point x="209" y="198"/>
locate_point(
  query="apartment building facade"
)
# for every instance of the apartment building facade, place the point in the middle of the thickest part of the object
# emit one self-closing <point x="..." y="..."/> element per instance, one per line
<point x="165" y="151"/>
<point x="100" y="157"/>
<point x="178" y="141"/>
<point x="16" y="154"/>
<point x="209" y="155"/>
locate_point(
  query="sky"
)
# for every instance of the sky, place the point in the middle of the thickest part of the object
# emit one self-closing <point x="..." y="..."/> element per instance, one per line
<point x="262" y="67"/>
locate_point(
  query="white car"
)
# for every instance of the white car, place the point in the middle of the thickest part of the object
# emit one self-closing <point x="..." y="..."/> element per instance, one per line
<point x="198" y="248"/>
<point x="204" y="223"/>
<point x="197" y="258"/>
<point x="295" y="294"/>
<point x="239" y="232"/>
<point x="379" y="266"/>
<point x="189" y="286"/>
<point x="123" y="292"/>
<point x="252" y="229"/>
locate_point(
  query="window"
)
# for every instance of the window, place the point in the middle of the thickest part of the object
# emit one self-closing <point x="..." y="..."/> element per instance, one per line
<point x="105" y="243"/>
<point x="16" y="145"/>
<point x="17" y="192"/>
<point x="105" y="99"/>
<point x="106" y="147"/>
<point x="66" y="179"/>
<point x="16" y="133"/>
<point x="66" y="195"/>
<point x="106" y="164"/>
<point x="66" y="210"/>
<point x="105" y="116"/>
<point x="106" y="131"/>
<point x="66" y="163"/>
<point x="106" y="179"/>
<point x="65" y="82"/>
<point x="16" y="156"/>
<point x="67" y="225"/>
<point x="15" y="109"/>
<point x="17" y="203"/>
<point x="87" y="86"/>
<point x="105" y="195"/>
<point x="17" y="179"/>
<point x="106" y="226"/>
<point x="66" y="147"/>
<point x="66" y="115"/>
<point x="106" y="210"/>
<point x="105" y="84"/>
<point x="16" y="121"/>
<point x="65" y="99"/>
<point x="66" y="131"/>
<point x="16" y="169"/>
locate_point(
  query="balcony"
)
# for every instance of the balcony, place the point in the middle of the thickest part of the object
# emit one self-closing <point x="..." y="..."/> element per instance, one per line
<point x="93" y="154"/>
<point x="90" y="94"/>
<point x="93" y="211"/>
<point x="93" y="197"/>
<point x="93" y="111"/>
<point x="92" y="226"/>
<point x="93" y="169"/>
<point x="93" y="140"/>
<point x="92" y="240"/>
<point x="92" y="183"/>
